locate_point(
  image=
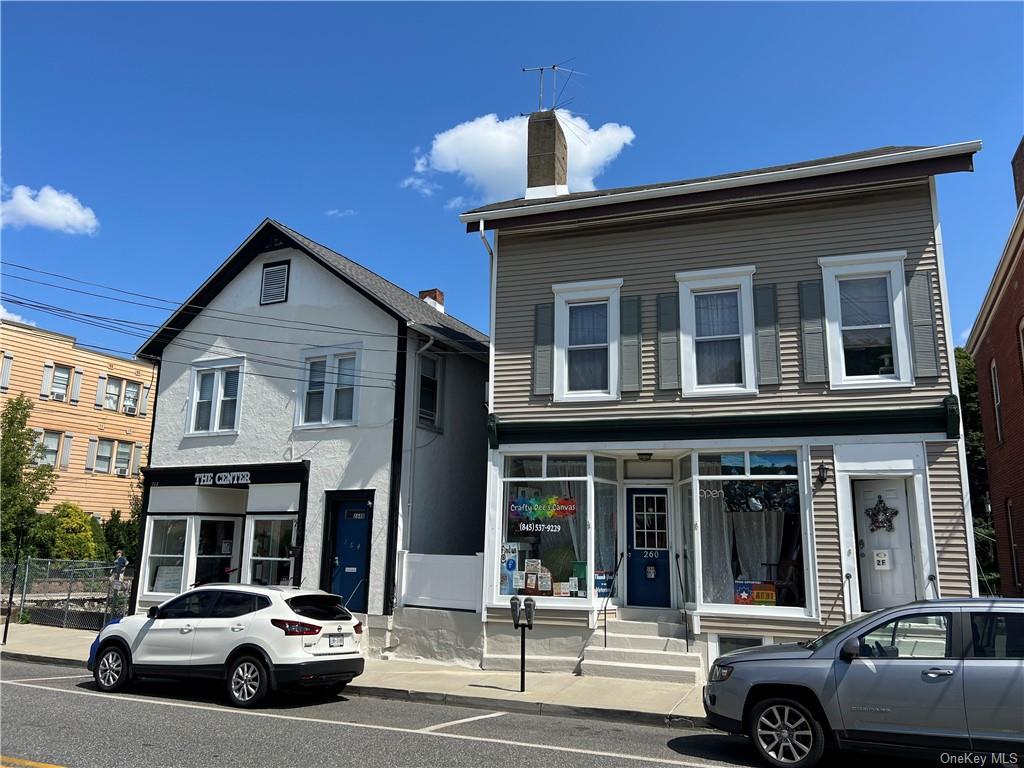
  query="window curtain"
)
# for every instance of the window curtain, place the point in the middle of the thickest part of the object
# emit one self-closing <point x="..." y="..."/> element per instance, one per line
<point x="588" y="324"/>
<point x="864" y="301"/>
<point x="716" y="535"/>
<point x="717" y="314"/>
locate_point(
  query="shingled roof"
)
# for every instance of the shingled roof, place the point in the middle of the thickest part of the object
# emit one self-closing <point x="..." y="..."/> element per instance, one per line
<point x="395" y="300"/>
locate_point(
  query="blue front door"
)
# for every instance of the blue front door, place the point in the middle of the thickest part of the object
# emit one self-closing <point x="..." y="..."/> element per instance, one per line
<point x="351" y="575"/>
<point x="648" y="574"/>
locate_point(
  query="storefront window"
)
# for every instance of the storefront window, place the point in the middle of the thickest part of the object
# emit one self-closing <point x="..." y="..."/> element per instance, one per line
<point x="166" y="555"/>
<point x="545" y="527"/>
<point x="271" y="561"/>
<point x="215" y="556"/>
<point x="606" y="541"/>
<point x="606" y="468"/>
<point x="751" y="534"/>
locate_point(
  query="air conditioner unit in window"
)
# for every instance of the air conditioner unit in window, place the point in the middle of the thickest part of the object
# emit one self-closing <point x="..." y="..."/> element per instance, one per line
<point x="58" y="396"/>
<point x="130" y="410"/>
<point x="121" y="472"/>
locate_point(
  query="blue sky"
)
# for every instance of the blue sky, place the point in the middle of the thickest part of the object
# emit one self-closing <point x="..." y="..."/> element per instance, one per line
<point x="182" y="125"/>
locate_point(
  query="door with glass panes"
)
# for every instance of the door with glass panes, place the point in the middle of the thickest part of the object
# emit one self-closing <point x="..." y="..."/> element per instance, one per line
<point x="648" y="566"/>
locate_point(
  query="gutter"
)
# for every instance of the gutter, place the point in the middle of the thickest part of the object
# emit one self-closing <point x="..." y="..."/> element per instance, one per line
<point x="896" y="158"/>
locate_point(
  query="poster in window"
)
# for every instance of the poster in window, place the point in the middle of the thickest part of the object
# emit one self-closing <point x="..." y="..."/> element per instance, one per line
<point x="519" y="580"/>
<point x="744" y="592"/>
<point x="225" y="547"/>
<point x="531" y="581"/>
<point x="168" y="579"/>
<point x="532" y="565"/>
<point x="544" y="582"/>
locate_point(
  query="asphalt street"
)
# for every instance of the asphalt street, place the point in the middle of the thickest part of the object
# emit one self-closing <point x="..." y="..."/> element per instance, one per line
<point x="54" y="715"/>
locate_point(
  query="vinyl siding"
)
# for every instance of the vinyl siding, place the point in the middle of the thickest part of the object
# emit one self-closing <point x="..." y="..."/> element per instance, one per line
<point x="96" y="493"/>
<point x="948" y="520"/>
<point x="783" y="241"/>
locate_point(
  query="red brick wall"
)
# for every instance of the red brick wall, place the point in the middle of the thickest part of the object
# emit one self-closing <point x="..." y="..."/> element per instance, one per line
<point x="1001" y="342"/>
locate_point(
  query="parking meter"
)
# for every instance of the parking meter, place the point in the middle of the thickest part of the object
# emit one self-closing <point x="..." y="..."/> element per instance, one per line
<point x="529" y="607"/>
<point x="522" y="619"/>
<point x="514" y="605"/>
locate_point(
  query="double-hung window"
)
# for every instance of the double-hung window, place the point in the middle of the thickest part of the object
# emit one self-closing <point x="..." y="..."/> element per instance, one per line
<point x="330" y="393"/>
<point x="51" y="447"/>
<point x="587" y="340"/>
<point x="716" y="312"/>
<point x="104" y="456"/>
<point x="122" y="458"/>
<point x="429" y="406"/>
<point x="112" y="393"/>
<point x="997" y="401"/>
<point x="216" y="393"/>
<point x="131" y="397"/>
<point x="866" y="320"/>
<point x="61" y="382"/>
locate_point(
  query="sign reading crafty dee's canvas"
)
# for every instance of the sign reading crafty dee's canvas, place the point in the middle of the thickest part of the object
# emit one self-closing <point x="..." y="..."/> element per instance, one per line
<point x="538" y="514"/>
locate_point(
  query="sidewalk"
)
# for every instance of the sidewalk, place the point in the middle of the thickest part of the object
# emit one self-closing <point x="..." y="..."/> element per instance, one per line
<point x="549" y="693"/>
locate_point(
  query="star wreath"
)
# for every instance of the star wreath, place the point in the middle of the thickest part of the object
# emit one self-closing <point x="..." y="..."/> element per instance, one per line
<point x="881" y="515"/>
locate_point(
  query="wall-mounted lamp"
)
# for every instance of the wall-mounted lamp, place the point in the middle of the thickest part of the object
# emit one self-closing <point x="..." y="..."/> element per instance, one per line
<point x="644" y="456"/>
<point x="822" y="473"/>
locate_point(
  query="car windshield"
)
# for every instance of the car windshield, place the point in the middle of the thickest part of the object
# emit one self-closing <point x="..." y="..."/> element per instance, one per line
<point x="323" y="607"/>
<point x="818" y="642"/>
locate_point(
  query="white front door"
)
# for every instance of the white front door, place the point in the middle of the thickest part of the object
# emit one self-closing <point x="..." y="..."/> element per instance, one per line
<point x="885" y="556"/>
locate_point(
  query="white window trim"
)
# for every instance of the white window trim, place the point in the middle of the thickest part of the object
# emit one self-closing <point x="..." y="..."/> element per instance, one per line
<point x="250" y="532"/>
<point x="67" y="387"/>
<point x="42" y="443"/>
<point x="217" y="366"/>
<point x="236" y="553"/>
<point x="185" y="570"/>
<point x="113" y="456"/>
<point x="997" y="400"/>
<point x="573" y="293"/>
<point x="107" y="393"/>
<point x="437" y="424"/>
<point x="737" y="278"/>
<point x="881" y="264"/>
<point x="332" y="354"/>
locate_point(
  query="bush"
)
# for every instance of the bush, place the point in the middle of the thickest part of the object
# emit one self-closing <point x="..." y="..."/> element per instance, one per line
<point x="73" y="533"/>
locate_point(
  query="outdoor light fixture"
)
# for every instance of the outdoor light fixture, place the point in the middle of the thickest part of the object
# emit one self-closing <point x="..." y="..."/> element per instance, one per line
<point x="822" y="473"/>
<point x="644" y="456"/>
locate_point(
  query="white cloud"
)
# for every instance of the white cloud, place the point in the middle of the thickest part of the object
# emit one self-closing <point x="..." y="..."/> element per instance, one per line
<point x="489" y="154"/>
<point x="964" y="336"/>
<point x="455" y="202"/>
<point x="421" y="184"/>
<point x="6" y="314"/>
<point x="340" y="213"/>
<point x="48" y="208"/>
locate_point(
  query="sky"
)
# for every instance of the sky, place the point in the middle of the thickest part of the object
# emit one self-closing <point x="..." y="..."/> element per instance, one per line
<point x="142" y="143"/>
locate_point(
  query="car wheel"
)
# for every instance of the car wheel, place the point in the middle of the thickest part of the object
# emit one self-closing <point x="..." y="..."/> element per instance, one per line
<point x="112" y="668"/>
<point x="786" y="734"/>
<point x="247" y="681"/>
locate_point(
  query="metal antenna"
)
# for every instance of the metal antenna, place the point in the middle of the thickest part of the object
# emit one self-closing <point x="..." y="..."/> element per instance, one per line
<point x="554" y="69"/>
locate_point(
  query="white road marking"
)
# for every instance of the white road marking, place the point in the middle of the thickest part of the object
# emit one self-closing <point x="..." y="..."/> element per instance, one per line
<point x="439" y="726"/>
<point x="367" y="726"/>
<point x="41" y="679"/>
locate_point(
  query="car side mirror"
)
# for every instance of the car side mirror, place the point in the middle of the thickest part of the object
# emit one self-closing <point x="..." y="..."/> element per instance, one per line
<point x="153" y="612"/>
<point x="850" y="649"/>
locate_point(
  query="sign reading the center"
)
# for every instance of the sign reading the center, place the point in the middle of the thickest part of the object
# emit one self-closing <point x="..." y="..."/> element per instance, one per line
<point x="538" y="514"/>
<point x="222" y="478"/>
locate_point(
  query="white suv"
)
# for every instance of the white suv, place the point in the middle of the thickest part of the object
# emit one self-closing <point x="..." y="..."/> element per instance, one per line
<point x="256" y="639"/>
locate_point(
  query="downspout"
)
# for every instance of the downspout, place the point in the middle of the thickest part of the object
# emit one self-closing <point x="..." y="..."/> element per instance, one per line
<point x="412" y="447"/>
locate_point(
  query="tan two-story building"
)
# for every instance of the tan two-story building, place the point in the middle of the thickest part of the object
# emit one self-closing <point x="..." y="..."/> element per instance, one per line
<point x="91" y="411"/>
<point x="723" y="410"/>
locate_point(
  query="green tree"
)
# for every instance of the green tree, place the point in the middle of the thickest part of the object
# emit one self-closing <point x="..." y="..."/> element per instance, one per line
<point x="977" y="472"/>
<point x="73" y="539"/>
<point x="25" y="484"/>
<point x="122" y="534"/>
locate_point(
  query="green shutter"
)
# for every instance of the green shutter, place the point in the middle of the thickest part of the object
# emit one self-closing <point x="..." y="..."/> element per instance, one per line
<point x="812" y="331"/>
<point x="668" y="341"/>
<point x="629" y="348"/>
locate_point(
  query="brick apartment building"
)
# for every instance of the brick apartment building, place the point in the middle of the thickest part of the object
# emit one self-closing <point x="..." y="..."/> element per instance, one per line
<point x="997" y="346"/>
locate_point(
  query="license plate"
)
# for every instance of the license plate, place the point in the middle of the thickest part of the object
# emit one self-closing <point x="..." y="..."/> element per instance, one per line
<point x="335" y="641"/>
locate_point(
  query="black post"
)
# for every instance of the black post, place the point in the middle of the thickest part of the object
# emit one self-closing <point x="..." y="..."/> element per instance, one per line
<point x="522" y="659"/>
<point x="10" y="597"/>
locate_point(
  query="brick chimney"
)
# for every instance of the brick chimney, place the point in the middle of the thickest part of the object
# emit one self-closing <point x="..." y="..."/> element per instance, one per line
<point x="1018" y="171"/>
<point x="434" y="297"/>
<point x="547" y="157"/>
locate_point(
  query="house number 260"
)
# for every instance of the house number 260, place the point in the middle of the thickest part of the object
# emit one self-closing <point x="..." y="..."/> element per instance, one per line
<point x="652" y="554"/>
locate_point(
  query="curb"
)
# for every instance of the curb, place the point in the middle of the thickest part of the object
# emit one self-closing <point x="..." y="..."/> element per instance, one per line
<point x="460" y="700"/>
<point x="529" y="707"/>
<point x="37" y="659"/>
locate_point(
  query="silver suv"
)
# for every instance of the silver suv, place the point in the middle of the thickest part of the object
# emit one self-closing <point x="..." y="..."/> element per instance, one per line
<point x="938" y="676"/>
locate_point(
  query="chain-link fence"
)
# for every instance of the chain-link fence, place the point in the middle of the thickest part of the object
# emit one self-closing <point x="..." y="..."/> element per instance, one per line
<point x="77" y="594"/>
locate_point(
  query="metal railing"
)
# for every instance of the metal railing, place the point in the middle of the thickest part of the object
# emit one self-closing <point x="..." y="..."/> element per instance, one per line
<point x="611" y="591"/>
<point x="75" y="594"/>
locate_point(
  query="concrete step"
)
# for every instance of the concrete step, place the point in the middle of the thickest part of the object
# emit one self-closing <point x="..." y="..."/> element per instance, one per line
<point x="633" y="656"/>
<point x="510" y="662"/>
<point x="631" y="613"/>
<point x="662" y="673"/>
<point x="644" y="628"/>
<point x="639" y="642"/>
